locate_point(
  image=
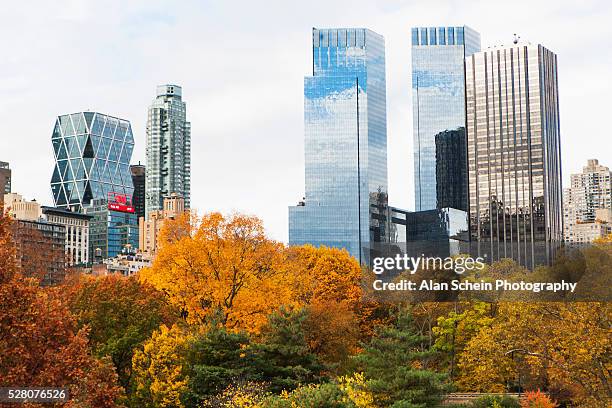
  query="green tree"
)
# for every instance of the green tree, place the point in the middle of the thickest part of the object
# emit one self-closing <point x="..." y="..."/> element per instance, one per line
<point x="283" y="358"/>
<point x="327" y="395"/>
<point x="492" y="401"/>
<point x="394" y="363"/>
<point x="215" y="359"/>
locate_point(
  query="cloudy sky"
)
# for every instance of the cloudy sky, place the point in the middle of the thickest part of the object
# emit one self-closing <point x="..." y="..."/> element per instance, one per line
<point x="241" y="65"/>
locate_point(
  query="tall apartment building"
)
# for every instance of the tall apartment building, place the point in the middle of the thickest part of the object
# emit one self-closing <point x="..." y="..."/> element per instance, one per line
<point x="168" y="149"/>
<point x="514" y="153"/>
<point x="438" y="101"/>
<point x="5" y="178"/>
<point x="40" y="243"/>
<point x="138" y="179"/>
<point x="150" y="227"/>
<point x="345" y="124"/>
<point x="589" y="193"/>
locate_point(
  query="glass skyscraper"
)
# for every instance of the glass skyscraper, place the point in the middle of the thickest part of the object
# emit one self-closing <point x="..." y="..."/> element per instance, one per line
<point x="92" y="159"/>
<point x="451" y="169"/>
<point x="138" y="179"/>
<point x="168" y="149"/>
<point x="110" y="231"/>
<point x="92" y="171"/>
<point x="345" y="143"/>
<point x="438" y="98"/>
<point x="514" y="154"/>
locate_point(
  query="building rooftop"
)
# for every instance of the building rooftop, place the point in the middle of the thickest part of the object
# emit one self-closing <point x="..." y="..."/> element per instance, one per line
<point x="65" y="212"/>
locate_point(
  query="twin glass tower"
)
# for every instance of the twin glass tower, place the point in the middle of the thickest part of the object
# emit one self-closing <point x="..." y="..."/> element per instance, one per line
<point x="438" y="108"/>
<point x="345" y="123"/>
<point x="486" y="141"/>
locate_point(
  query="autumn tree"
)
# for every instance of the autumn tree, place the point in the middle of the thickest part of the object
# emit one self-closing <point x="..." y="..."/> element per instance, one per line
<point x="543" y="344"/>
<point x="328" y="281"/>
<point x="456" y="329"/>
<point x="324" y="274"/>
<point x="121" y="313"/>
<point x="332" y="332"/>
<point x="537" y="399"/>
<point x="160" y="369"/>
<point x="39" y="340"/>
<point x="224" y="264"/>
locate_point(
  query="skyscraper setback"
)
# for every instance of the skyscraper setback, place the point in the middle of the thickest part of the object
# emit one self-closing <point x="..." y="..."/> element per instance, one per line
<point x="168" y="149"/>
<point x="438" y="100"/>
<point x="345" y="143"/>
<point x="514" y="154"/>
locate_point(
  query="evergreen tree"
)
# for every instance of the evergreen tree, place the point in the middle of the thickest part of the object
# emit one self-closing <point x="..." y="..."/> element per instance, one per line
<point x="215" y="358"/>
<point x="394" y="365"/>
<point x="283" y="359"/>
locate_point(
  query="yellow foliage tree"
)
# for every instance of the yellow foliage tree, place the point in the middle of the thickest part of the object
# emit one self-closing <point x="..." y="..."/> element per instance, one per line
<point x="158" y="368"/>
<point x="323" y="274"/>
<point x="567" y="345"/>
<point x="356" y="390"/>
<point x="220" y="265"/>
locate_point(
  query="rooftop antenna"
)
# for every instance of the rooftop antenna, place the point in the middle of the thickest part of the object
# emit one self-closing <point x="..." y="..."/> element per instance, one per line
<point x="516" y="38"/>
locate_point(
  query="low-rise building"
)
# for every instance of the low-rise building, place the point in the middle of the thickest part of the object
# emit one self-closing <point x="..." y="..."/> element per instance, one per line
<point x="112" y="228"/>
<point x="586" y="232"/>
<point x="77" y="233"/>
<point x="128" y="263"/>
<point x="149" y="229"/>
<point x="40" y="250"/>
<point x="586" y="201"/>
<point x="39" y="242"/>
<point x="21" y="209"/>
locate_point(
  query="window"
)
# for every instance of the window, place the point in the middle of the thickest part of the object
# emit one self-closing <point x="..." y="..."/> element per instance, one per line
<point x="432" y="36"/>
<point x="442" y="36"/>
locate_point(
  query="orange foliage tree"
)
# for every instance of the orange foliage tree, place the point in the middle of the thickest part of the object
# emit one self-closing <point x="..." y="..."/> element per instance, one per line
<point x="328" y="282"/>
<point x="39" y="341"/>
<point x="221" y="265"/>
<point x="217" y="264"/>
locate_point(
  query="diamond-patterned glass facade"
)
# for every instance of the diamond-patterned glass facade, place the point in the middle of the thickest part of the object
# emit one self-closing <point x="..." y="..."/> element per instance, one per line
<point x="92" y="155"/>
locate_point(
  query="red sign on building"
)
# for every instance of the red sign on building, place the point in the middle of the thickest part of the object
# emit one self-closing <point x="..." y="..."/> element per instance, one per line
<point x="120" y="202"/>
